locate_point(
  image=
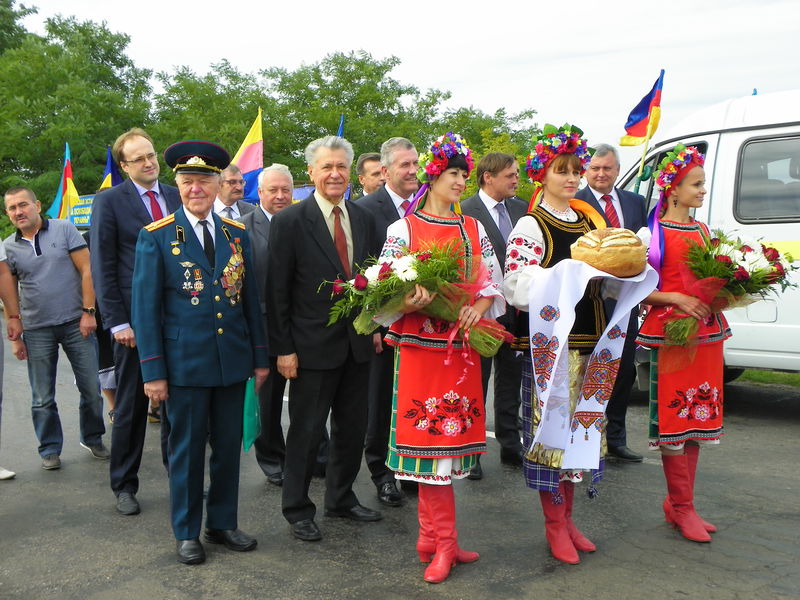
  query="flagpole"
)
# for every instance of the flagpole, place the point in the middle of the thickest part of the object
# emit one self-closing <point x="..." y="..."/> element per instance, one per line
<point x="641" y="164"/>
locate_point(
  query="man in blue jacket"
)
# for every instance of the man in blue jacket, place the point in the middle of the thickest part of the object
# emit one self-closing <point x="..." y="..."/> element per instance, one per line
<point x="200" y="335"/>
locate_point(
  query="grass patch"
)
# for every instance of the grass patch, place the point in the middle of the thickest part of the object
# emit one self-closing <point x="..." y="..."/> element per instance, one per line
<point x="758" y="376"/>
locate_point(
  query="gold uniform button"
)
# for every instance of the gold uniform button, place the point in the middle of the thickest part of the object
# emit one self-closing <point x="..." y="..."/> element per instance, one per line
<point x="216" y="282"/>
<point x="219" y="315"/>
<point x="216" y="298"/>
<point x="219" y="331"/>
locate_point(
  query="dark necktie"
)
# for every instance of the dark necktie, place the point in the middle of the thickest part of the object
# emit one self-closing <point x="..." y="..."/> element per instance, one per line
<point x="228" y="212"/>
<point x="611" y="212"/>
<point x="340" y="241"/>
<point x="504" y="223"/>
<point x="155" y="209"/>
<point x="208" y="243"/>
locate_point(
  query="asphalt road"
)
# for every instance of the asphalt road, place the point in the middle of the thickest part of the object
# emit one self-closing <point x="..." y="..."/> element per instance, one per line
<point x="61" y="538"/>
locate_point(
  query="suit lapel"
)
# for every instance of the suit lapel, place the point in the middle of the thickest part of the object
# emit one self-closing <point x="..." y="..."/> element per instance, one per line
<point x="628" y="215"/>
<point x="320" y="233"/>
<point x="387" y="207"/>
<point x="261" y="225"/>
<point x="587" y="195"/>
<point x="136" y="203"/>
<point x="357" y="227"/>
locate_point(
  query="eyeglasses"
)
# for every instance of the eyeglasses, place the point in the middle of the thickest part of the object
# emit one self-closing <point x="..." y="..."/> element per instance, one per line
<point x="233" y="182"/>
<point x="142" y="159"/>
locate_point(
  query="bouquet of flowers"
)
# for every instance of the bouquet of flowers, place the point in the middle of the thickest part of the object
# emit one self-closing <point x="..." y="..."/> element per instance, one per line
<point x="380" y="287"/>
<point x="727" y="272"/>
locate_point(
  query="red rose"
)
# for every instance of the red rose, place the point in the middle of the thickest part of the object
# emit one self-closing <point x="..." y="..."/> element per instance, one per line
<point x="339" y="287"/>
<point x="424" y="256"/>
<point x="385" y="271"/>
<point x="745" y="249"/>
<point x="776" y="273"/>
<point x="726" y="260"/>
<point x="360" y="282"/>
<point x="771" y="254"/>
<point x="714" y="242"/>
<point x="741" y="274"/>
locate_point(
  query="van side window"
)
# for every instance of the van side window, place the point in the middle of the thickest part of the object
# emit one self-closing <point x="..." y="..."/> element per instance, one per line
<point x="768" y="181"/>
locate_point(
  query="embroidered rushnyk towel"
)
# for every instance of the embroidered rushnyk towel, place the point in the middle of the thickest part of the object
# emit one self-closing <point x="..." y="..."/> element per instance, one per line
<point x="553" y="295"/>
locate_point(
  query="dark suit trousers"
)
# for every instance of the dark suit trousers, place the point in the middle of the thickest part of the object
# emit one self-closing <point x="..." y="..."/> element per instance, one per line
<point x="270" y="445"/>
<point x="379" y="393"/>
<point x="130" y="421"/>
<point x="617" y="407"/>
<point x="507" y="381"/>
<point x="199" y="415"/>
<point x="314" y="393"/>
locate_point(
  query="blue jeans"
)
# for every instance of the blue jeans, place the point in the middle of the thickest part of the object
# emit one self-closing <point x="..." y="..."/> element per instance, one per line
<point x="42" y="345"/>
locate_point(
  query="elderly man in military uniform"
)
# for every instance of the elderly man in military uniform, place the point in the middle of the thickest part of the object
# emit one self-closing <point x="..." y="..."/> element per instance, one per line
<point x="200" y="335"/>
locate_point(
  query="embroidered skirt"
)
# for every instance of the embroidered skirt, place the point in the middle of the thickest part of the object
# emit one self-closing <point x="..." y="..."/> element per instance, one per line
<point x="438" y="425"/>
<point x="544" y="473"/>
<point x="686" y="404"/>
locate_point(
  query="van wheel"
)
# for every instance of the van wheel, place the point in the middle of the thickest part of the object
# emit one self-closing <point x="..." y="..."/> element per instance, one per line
<point x="731" y="373"/>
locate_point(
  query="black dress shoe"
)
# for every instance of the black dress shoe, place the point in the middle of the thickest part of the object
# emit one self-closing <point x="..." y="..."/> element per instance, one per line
<point x="476" y="472"/>
<point x="306" y="530"/>
<point x="356" y="513"/>
<point x="190" y="552"/>
<point x="232" y="539"/>
<point x="512" y="459"/>
<point x="389" y="495"/>
<point x="275" y="479"/>
<point x="624" y="454"/>
<point x="127" y="504"/>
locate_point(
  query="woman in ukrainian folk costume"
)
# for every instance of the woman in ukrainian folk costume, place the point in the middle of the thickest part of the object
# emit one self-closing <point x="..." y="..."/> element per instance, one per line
<point x="562" y="413"/>
<point x="438" y="422"/>
<point x="686" y="383"/>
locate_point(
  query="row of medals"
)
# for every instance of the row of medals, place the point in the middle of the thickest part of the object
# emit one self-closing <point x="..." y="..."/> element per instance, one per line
<point x="231" y="278"/>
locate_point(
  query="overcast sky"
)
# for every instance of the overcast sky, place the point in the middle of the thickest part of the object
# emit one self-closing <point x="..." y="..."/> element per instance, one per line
<point x="584" y="66"/>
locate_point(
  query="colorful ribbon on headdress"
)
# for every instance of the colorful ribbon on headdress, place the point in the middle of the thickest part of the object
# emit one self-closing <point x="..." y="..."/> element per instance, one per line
<point x="417" y="199"/>
<point x="655" y="253"/>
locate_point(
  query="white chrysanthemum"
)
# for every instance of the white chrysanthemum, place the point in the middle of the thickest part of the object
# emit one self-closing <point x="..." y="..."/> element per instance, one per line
<point x="404" y="262"/>
<point x="727" y="250"/>
<point x="409" y="274"/>
<point x="371" y="273"/>
<point x="755" y="261"/>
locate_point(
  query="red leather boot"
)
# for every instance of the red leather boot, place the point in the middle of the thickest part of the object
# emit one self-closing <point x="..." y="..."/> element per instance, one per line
<point x="692" y="452"/>
<point x="426" y="542"/>
<point x="555" y="527"/>
<point x="679" y="488"/>
<point x="580" y="541"/>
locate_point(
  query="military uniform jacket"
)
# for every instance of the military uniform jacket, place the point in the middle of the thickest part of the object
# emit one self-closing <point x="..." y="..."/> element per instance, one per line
<point x="196" y="327"/>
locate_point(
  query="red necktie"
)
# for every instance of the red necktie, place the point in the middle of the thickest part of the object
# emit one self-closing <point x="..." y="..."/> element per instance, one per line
<point x="154" y="207"/>
<point x="404" y="206"/>
<point x="340" y="241"/>
<point x="611" y="212"/>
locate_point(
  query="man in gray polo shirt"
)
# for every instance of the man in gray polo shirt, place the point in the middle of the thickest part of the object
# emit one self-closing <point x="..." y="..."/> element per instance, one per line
<point x="50" y="262"/>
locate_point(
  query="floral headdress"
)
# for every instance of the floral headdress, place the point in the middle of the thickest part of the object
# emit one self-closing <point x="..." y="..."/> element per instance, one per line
<point x="567" y="139"/>
<point x="434" y="162"/>
<point x="671" y="171"/>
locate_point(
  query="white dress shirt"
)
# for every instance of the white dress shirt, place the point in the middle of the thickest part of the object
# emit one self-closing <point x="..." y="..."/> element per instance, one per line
<point x="220" y="206"/>
<point x="398" y="200"/>
<point x="614" y="200"/>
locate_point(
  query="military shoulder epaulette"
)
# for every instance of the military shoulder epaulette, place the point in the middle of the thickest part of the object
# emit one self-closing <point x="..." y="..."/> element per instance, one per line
<point x="232" y="222"/>
<point x="160" y="223"/>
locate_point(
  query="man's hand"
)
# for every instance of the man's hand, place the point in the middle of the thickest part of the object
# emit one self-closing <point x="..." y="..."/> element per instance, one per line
<point x="287" y="365"/>
<point x="126" y="337"/>
<point x="88" y="325"/>
<point x="261" y="374"/>
<point x="19" y="349"/>
<point x="14" y="329"/>
<point x="377" y="342"/>
<point x="156" y="391"/>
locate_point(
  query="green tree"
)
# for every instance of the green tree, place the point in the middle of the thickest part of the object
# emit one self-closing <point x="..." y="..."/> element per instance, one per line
<point x="11" y="32"/>
<point x="73" y="85"/>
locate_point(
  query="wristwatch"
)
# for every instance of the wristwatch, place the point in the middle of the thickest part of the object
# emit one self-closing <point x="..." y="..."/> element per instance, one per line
<point x="91" y="310"/>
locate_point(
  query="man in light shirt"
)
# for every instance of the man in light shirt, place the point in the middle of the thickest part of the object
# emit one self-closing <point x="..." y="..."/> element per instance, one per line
<point x="229" y="202"/>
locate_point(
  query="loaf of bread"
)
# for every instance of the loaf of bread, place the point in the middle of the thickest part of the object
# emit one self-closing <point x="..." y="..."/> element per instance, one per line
<point x="614" y="250"/>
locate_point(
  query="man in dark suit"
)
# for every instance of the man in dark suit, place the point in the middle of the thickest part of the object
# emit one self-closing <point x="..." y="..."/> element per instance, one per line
<point x="370" y="173"/>
<point x="200" y="333"/>
<point x="399" y="163"/>
<point x="498" y="209"/>
<point x="275" y="185"/>
<point x="320" y="239"/>
<point x="229" y="203"/>
<point x="620" y="209"/>
<point x="118" y="214"/>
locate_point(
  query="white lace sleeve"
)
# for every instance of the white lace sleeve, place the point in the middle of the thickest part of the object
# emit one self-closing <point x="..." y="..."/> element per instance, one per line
<point x="495" y="279"/>
<point x="524" y="252"/>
